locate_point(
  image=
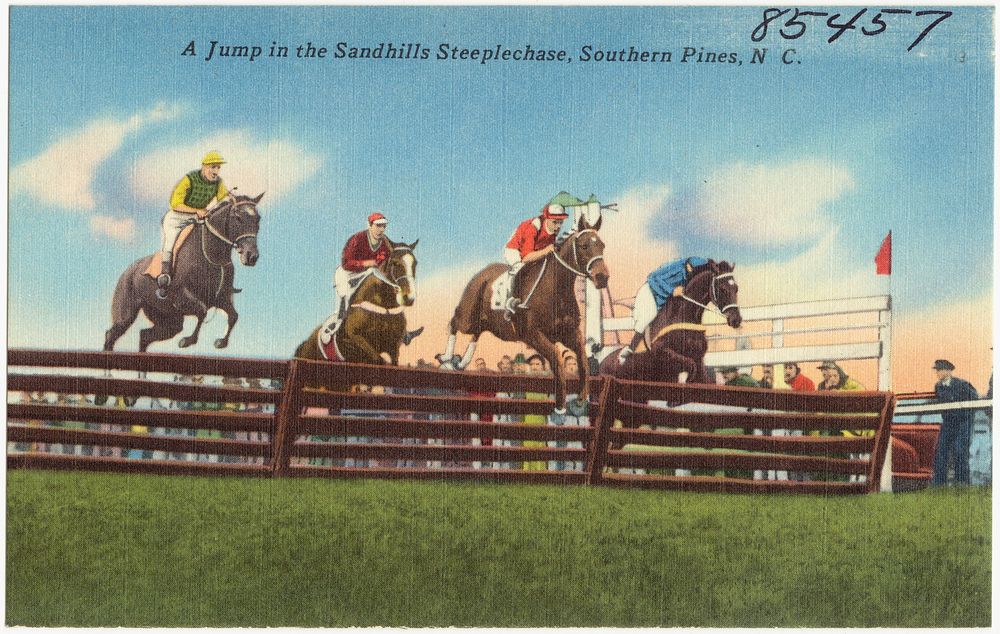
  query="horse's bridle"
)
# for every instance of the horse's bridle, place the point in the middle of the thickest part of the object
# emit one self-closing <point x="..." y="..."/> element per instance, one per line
<point x="576" y="259"/>
<point x="714" y="295"/>
<point x="233" y="244"/>
<point x="381" y="276"/>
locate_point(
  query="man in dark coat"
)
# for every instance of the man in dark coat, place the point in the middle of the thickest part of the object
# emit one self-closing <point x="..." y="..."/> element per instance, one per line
<point x="956" y="425"/>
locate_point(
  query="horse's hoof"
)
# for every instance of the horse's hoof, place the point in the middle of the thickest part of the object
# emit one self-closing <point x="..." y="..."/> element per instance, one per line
<point x="221" y="343"/>
<point x="682" y="377"/>
<point x="185" y="342"/>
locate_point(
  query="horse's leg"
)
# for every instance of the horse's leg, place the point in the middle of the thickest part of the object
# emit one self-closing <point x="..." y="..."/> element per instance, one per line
<point x="231" y="313"/>
<point x="469" y="351"/>
<point x="583" y="365"/>
<point x="544" y="346"/>
<point x="125" y="304"/>
<point x="192" y="339"/>
<point x="353" y="338"/>
<point x="118" y="329"/>
<point x="164" y="327"/>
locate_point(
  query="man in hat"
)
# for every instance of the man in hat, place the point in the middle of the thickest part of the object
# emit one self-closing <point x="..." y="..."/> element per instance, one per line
<point x="189" y="202"/>
<point x="533" y="240"/>
<point x="663" y="283"/>
<point x="834" y="378"/>
<point x="364" y="250"/>
<point x="732" y="376"/>
<point x="956" y="425"/>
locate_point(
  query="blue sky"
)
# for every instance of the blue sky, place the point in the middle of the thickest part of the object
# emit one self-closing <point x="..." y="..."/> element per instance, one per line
<point x="774" y="166"/>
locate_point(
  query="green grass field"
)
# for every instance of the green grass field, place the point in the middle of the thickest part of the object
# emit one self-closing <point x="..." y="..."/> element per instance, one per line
<point x="88" y="549"/>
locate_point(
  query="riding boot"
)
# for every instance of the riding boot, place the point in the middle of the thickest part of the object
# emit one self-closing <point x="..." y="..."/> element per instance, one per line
<point x="163" y="280"/>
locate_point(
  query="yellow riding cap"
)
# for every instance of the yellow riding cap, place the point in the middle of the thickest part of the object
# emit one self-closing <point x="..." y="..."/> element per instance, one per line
<point x="213" y="158"/>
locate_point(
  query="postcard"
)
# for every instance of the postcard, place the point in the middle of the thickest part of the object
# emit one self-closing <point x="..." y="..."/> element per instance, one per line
<point x="500" y="316"/>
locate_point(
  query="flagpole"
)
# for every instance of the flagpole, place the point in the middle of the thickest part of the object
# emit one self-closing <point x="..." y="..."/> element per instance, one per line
<point x="883" y="266"/>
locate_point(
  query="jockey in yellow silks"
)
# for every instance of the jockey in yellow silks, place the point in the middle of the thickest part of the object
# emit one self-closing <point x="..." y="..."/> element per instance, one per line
<point x="189" y="202"/>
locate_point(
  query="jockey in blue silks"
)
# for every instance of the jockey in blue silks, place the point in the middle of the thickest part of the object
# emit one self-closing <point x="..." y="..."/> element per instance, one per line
<point x="662" y="284"/>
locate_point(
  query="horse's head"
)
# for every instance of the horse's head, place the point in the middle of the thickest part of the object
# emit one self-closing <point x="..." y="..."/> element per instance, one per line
<point x="237" y="221"/>
<point x="724" y="292"/>
<point x="401" y="269"/>
<point x="714" y="283"/>
<point x="583" y="252"/>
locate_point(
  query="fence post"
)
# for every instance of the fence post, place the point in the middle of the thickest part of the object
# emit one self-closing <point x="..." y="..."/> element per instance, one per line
<point x="880" y="453"/>
<point x="598" y="451"/>
<point x="286" y="420"/>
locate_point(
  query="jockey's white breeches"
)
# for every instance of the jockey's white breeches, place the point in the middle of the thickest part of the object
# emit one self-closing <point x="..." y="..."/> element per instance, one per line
<point x="172" y="224"/>
<point x="644" y="310"/>
<point x="342" y="285"/>
<point x="513" y="258"/>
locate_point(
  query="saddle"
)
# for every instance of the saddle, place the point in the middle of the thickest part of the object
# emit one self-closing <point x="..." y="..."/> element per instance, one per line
<point x="326" y="339"/>
<point x="156" y="264"/>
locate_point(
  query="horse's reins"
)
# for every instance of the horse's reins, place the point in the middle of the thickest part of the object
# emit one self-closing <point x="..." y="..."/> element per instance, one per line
<point x="690" y="326"/>
<point x="233" y="244"/>
<point x="576" y="259"/>
<point x="714" y="295"/>
<point x="380" y="276"/>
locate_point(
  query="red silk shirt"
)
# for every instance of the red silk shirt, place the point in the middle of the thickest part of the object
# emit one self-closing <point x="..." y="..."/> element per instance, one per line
<point x="530" y="236"/>
<point x="358" y="249"/>
<point x="802" y="383"/>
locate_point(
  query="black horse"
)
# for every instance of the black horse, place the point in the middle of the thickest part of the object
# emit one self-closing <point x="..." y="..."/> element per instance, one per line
<point x="676" y="340"/>
<point x="203" y="278"/>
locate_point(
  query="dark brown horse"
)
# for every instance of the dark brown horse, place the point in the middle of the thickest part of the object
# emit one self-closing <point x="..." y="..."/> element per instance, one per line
<point x="203" y="278"/>
<point x="548" y="314"/>
<point x="374" y="326"/>
<point x="675" y="340"/>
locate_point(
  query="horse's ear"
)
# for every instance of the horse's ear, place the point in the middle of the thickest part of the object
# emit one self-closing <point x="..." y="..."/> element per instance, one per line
<point x="257" y="199"/>
<point x="597" y="225"/>
<point x="414" y="245"/>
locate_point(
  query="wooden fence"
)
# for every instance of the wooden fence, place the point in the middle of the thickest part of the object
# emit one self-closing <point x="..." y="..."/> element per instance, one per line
<point x="327" y="420"/>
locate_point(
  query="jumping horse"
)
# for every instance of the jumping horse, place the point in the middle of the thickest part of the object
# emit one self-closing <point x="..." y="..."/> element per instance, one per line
<point x="203" y="278"/>
<point x="374" y="327"/>
<point x="675" y="340"/>
<point x="548" y="313"/>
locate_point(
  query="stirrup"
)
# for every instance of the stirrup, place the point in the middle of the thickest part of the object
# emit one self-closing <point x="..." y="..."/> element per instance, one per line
<point x="510" y="308"/>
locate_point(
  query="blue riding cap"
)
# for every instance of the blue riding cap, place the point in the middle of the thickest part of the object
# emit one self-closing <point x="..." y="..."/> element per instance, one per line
<point x="665" y="279"/>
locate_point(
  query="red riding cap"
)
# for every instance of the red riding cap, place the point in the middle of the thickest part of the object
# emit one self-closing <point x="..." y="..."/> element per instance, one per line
<point x="554" y="210"/>
<point x="377" y="218"/>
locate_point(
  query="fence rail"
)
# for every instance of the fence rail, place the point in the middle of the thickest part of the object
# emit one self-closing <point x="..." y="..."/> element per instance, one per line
<point x="430" y="424"/>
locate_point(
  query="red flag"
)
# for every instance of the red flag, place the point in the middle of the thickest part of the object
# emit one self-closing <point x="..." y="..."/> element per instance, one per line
<point x="883" y="261"/>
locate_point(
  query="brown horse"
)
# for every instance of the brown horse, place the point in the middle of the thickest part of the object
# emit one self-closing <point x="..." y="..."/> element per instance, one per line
<point x="548" y="314"/>
<point x="374" y="326"/>
<point x="675" y="340"/>
<point x="203" y="278"/>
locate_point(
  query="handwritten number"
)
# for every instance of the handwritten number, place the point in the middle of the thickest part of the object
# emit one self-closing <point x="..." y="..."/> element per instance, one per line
<point x="770" y="15"/>
<point x="876" y="20"/>
<point x="930" y="27"/>
<point x="796" y="22"/>
<point x="794" y="27"/>
<point x="840" y="28"/>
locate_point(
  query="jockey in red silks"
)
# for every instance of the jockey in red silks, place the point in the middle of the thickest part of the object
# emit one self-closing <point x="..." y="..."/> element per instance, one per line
<point x="533" y="240"/>
<point x="364" y="250"/>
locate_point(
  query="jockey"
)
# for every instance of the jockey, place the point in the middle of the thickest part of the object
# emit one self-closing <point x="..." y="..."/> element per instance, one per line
<point x="533" y="240"/>
<point x="189" y="203"/>
<point x="363" y="251"/>
<point x="662" y="284"/>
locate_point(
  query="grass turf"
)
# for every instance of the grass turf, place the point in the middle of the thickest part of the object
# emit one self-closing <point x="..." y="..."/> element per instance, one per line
<point x="88" y="549"/>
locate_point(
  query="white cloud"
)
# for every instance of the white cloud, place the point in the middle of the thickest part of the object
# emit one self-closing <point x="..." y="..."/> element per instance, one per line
<point x="275" y="166"/>
<point x="770" y="204"/>
<point x="630" y="252"/>
<point x="826" y="270"/>
<point x="63" y="173"/>
<point x="121" y="229"/>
